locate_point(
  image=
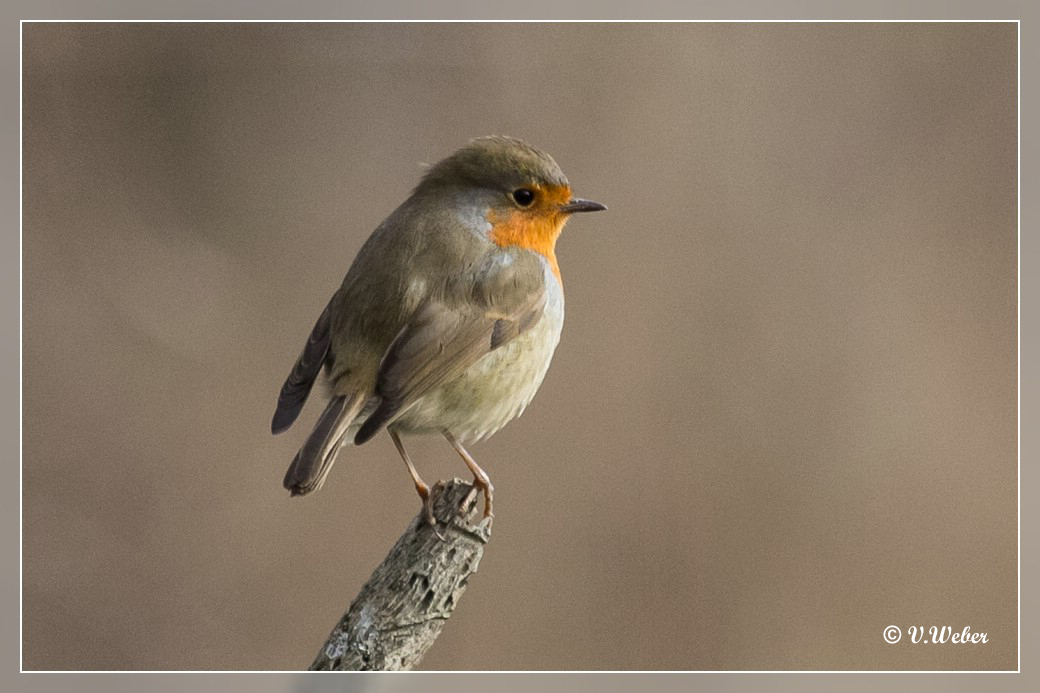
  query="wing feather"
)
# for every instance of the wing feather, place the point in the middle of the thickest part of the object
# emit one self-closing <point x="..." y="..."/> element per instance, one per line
<point x="441" y="341"/>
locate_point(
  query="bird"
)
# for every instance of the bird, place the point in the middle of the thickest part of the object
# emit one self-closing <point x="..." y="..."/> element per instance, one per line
<point x="446" y="320"/>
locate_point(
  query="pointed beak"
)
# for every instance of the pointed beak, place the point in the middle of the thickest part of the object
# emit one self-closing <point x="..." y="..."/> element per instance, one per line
<point x="582" y="206"/>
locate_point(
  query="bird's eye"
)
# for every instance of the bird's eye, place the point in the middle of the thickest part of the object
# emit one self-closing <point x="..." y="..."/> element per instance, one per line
<point x="523" y="196"/>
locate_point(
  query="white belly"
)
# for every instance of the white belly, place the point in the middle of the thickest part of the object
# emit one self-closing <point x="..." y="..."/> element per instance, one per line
<point x="496" y="389"/>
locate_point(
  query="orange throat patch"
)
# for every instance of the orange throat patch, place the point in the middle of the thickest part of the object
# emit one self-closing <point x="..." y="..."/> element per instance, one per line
<point x="535" y="228"/>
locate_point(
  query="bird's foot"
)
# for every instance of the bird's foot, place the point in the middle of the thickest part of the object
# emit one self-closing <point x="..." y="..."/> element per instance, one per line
<point x="479" y="485"/>
<point x="427" y="506"/>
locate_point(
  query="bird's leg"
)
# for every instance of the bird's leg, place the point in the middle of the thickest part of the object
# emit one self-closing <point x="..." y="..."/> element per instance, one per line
<point x="420" y="486"/>
<point x="480" y="477"/>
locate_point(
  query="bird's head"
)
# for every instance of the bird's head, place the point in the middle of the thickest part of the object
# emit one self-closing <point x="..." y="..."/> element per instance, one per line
<point x="525" y="198"/>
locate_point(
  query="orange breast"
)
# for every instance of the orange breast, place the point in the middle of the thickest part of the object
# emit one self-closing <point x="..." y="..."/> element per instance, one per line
<point x="535" y="228"/>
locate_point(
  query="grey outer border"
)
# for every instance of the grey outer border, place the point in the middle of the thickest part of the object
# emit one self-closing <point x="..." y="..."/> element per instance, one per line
<point x="10" y="266"/>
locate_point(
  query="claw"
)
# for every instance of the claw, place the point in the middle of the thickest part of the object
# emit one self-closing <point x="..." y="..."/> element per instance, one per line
<point x="427" y="504"/>
<point x="471" y="497"/>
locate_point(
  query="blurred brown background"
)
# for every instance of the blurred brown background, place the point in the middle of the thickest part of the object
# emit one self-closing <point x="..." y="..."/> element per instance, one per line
<point x="782" y="416"/>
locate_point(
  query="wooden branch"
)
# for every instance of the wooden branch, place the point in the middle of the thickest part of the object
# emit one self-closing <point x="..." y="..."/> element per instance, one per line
<point x="401" y="609"/>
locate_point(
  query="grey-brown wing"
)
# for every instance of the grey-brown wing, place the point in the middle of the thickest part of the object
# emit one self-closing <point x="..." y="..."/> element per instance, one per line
<point x="300" y="381"/>
<point x="441" y="341"/>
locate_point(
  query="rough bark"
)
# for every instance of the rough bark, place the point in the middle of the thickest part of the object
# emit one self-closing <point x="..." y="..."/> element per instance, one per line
<point x="400" y="611"/>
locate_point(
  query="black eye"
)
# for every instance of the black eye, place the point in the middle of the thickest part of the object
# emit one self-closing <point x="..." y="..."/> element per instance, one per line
<point x="523" y="196"/>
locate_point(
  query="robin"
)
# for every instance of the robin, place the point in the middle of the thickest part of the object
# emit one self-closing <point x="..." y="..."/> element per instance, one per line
<point x="448" y="317"/>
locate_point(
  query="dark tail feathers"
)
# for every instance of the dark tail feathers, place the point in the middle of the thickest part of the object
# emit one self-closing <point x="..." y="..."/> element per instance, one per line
<point x="314" y="460"/>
